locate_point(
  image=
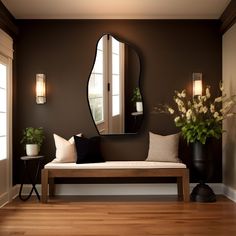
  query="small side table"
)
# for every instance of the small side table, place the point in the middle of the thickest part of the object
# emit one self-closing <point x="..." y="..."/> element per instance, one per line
<point x="26" y="160"/>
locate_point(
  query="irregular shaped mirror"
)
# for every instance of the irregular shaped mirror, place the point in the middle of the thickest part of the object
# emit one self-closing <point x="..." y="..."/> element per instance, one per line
<point x="113" y="88"/>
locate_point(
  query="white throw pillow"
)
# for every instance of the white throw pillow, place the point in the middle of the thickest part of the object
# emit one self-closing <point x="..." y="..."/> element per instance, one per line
<point x="163" y="148"/>
<point x="65" y="149"/>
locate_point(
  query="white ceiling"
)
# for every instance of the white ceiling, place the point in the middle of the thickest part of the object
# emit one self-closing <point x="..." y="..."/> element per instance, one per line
<point x="116" y="9"/>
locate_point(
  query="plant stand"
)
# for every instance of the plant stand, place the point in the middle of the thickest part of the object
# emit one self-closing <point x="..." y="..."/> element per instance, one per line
<point x="202" y="168"/>
<point x="202" y="193"/>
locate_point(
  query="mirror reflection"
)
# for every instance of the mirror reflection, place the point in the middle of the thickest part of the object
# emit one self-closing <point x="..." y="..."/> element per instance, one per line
<point x="113" y="88"/>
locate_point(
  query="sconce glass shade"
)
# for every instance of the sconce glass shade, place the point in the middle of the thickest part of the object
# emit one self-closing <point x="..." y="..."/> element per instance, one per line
<point x="197" y="84"/>
<point x="40" y="88"/>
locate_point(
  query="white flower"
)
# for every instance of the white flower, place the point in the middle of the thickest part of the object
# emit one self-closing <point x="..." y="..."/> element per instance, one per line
<point x="177" y="119"/>
<point x="216" y="115"/>
<point x="221" y="87"/>
<point x="208" y="95"/>
<point x="183" y="109"/>
<point x="194" y="118"/>
<point x="188" y="114"/>
<point x="219" y="99"/>
<point x="204" y="98"/>
<point x="201" y="110"/>
<point x="171" y="110"/>
<point x="179" y="102"/>
<point x="205" y="109"/>
<point x="219" y="118"/>
<point x="212" y="108"/>
<point x="183" y="94"/>
<point x="179" y="95"/>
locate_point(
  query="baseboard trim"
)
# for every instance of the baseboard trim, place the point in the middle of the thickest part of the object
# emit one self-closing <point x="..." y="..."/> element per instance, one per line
<point x="6" y="197"/>
<point x="15" y="191"/>
<point x="118" y="189"/>
<point x="230" y="193"/>
<point x="3" y="199"/>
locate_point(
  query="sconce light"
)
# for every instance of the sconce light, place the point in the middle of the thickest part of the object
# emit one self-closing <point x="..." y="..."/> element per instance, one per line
<point x="197" y="84"/>
<point x="40" y="88"/>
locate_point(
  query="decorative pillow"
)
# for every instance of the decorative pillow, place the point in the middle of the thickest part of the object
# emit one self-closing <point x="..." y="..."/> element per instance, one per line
<point x="88" y="150"/>
<point x="163" y="148"/>
<point x="65" y="149"/>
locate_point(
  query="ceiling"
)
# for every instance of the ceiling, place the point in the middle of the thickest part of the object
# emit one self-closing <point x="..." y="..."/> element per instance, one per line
<point x="116" y="9"/>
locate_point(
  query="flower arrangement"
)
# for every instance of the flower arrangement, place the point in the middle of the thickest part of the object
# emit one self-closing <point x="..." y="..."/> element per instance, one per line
<point x="200" y="117"/>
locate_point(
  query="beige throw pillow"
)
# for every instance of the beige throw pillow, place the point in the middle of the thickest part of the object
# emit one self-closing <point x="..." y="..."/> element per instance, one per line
<point x="65" y="149"/>
<point x="163" y="148"/>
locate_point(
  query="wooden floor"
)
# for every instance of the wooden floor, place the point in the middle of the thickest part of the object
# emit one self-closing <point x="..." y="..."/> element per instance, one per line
<point x="131" y="216"/>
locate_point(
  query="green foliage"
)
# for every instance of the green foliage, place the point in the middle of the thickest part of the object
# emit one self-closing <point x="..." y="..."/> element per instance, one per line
<point x="200" y="118"/>
<point x="200" y="131"/>
<point x="33" y="136"/>
<point x="136" y="97"/>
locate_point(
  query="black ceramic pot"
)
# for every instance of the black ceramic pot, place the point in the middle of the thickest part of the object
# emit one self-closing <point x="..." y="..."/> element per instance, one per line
<point x="202" y="167"/>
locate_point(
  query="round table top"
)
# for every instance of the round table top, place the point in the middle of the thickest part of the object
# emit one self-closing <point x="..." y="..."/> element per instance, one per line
<point x="26" y="158"/>
<point x="137" y="113"/>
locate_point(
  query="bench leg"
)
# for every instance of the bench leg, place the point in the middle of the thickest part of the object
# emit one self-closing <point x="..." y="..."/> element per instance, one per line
<point x="183" y="186"/>
<point x="180" y="187"/>
<point x="186" y="190"/>
<point x="51" y="187"/>
<point x="44" y="185"/>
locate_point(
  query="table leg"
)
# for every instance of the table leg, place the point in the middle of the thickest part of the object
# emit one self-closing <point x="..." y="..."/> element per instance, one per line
<point x="32" y="181"/>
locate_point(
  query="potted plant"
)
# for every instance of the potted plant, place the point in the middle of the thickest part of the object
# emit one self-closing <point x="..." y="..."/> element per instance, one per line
<point x="137" y="99"/>
<point x="200" y="119"/>
<point x="33" y="139"/>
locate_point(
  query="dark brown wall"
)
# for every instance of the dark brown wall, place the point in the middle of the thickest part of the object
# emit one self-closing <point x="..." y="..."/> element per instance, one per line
<point x="64" y="50"/>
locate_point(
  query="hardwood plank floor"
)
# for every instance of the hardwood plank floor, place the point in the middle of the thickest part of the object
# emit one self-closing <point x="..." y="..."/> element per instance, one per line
<point x="118" y="216"/>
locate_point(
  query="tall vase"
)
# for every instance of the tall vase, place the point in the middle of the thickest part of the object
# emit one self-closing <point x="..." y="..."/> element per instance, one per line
<point x="202" y="167"/>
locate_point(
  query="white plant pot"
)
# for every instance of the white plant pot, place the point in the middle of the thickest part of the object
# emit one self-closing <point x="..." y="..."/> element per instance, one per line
<point x="32" y="149"/>
<point x="139" y="106"/>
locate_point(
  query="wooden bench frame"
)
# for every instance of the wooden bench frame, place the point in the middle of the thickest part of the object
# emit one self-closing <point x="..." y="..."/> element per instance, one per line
<point x="182" y="175"/>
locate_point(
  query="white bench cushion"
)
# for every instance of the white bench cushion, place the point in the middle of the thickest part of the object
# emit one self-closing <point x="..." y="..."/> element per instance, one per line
<point x="115" y="165"/>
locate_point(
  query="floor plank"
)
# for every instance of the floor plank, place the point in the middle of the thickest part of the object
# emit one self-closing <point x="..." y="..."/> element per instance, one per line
<point x="118" y="216"/>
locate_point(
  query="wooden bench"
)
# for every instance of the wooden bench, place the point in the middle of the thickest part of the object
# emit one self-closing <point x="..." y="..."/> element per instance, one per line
<point x="115" y="169"/>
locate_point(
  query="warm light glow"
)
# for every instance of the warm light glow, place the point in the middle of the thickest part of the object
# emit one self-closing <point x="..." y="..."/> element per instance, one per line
<point x="197" y="84"/>
<point x="40" y="89"/>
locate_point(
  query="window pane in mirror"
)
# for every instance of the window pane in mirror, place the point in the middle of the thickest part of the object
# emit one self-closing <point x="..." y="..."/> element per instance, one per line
<point x="96" y="105"/>
<point x="3" y="74"/>
<point x="115" y="46"/>
<point x="98" y="67"/>
<point x="115" y="105"/>
<point x="3" y="100"/>
<point x="96" y="97"/>
<point x="96" y="86"/>
<point x="100" y="45"/>
<point x="3" y="149"/>
<point x="3" y="124"/>
<point x="115" y="64"/>
<point x="115" y="84"/>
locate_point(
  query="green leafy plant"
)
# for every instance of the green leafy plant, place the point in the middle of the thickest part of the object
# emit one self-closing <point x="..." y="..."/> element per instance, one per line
<point x="136" y="97"/>
<point x="200" y="117"/>
<point x="33" y="136"/>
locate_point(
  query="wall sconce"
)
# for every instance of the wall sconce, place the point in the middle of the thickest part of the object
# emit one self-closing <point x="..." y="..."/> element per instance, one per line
<point x="40" y="88"/>
<point x="197" y="84"/>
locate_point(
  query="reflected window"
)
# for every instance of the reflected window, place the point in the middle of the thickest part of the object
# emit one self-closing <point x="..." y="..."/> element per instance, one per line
<point x="114" y="77"/>
<point x="96" y="95"/>
<point x="105" y="85"/>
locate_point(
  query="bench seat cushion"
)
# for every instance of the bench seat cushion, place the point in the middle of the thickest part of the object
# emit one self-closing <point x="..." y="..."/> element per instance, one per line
<point x="115" y="165"/>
